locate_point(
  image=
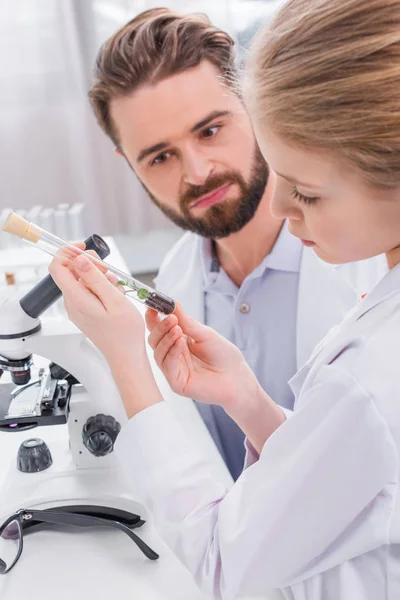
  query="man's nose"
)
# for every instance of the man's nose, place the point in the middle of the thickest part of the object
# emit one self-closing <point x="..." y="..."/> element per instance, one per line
<point x="197" y="167"/>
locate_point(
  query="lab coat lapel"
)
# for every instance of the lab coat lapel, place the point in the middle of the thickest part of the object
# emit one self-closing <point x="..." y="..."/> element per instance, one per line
<point x="386" y="288"/>
<point x="324" y="298"/>
<point x="184" y="281"/>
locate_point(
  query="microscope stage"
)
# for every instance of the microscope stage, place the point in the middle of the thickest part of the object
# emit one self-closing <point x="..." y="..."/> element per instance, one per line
<point x="21" y="420"/>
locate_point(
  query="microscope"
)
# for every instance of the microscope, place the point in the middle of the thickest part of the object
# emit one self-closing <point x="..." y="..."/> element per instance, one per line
<point x="74" y="389"/>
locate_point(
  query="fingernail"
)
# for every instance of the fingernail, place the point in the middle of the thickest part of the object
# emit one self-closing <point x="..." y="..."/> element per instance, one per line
<point x="82" y="263"/>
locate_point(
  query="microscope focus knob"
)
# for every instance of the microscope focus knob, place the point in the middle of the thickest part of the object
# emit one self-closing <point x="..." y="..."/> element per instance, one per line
<point x="33" y="456"/>
<point x="99" y="434"/>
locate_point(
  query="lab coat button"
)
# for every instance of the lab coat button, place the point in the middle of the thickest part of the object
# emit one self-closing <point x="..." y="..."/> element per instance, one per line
<point x="244" y="308"/>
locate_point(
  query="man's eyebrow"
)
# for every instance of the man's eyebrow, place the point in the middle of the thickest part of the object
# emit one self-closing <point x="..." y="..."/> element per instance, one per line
<point x="295" y="181"/>
<point x="151" y="150"/>
<point x="215" y="114"/>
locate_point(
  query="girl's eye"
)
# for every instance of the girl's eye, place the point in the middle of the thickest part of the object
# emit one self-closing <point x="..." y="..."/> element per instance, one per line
<point x="210" y="131"/>
<point x="160" y="159"/>
<point x="305" y="199"/>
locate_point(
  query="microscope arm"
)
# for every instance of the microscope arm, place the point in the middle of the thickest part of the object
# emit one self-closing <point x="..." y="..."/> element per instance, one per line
<point x="96" y="409"/>
<point x="61" y="342"/>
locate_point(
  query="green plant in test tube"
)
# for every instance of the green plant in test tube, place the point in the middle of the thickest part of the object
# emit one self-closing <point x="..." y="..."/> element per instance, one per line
<point x="142" y="293"/>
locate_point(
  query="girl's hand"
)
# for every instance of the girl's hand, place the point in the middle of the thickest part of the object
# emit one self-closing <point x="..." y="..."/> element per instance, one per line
<point x="99" y="309"/>
<point x="198" y="362"/>
<point x="106" y="316"/>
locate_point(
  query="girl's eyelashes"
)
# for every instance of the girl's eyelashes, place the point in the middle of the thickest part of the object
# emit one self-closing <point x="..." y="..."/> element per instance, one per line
<point x="305" y="199"/>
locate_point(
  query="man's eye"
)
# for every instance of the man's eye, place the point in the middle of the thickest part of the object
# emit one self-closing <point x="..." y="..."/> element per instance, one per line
<point x="160" y="159"/>
<point x="210" y="131"/>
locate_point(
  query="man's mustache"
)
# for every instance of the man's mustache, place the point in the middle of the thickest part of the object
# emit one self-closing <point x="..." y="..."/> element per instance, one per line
<point x="196" y="191"/>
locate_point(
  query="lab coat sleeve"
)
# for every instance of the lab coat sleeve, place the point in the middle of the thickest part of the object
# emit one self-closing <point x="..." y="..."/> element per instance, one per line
<point x="319" y="494"/>
<point x="287" y="412"/>
<point x="252" y="455"/>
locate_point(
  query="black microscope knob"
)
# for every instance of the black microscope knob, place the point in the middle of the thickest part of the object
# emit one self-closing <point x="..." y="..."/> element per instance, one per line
<point x="99" y="434"/>
<point x="34" y="456"/>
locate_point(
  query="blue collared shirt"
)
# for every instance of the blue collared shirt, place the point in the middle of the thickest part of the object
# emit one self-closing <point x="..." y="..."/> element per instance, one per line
<point x="260" y="319"/>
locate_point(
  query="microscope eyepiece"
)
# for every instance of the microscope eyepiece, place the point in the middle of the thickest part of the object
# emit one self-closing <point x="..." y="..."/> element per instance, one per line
<point x="46" y="292"/>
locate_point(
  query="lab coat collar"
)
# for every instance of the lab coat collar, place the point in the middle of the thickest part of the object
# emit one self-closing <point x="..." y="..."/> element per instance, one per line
<point x="337" y="339"/>
<point x="181" y="276"/>
<point x="387" y="287"/>
<point x="324" y="297"/>
<point x="284" y="256"/>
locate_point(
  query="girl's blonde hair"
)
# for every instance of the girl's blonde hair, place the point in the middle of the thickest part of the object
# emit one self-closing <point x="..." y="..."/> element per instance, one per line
<point x="326" y="75"/>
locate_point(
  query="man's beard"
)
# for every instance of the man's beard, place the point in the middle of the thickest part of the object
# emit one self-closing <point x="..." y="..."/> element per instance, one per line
<point x="228" y="216"/>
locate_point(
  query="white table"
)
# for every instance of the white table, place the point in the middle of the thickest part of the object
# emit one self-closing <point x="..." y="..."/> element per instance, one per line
<point x="83" y="564"/>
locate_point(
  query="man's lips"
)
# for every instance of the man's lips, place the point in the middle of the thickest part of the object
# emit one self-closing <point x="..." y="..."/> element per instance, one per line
<point x="212" y="198"/>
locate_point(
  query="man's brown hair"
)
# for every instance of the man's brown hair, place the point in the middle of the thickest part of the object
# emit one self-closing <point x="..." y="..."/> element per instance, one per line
<point x="154" y="45"/>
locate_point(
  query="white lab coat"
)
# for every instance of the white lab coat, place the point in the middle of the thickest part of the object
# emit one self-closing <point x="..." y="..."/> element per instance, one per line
<point x="317" y="515"/>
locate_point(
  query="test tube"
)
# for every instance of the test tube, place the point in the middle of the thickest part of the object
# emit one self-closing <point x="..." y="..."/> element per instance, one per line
<point x="51" y="244"/>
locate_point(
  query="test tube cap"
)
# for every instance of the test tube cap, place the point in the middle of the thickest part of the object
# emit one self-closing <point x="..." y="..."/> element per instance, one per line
<point x="20" y="227"/>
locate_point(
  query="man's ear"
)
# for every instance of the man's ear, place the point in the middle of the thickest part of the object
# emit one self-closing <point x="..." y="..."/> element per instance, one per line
<point x="120" y="152"/>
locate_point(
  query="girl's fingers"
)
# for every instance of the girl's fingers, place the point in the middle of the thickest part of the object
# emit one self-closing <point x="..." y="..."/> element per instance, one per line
<point x="153" y="319"/>
<point x="191" y="326"/>
<point x="97" y="283"/>
<point x="114" y="280"/>
<point x="83" y="299"/>
<point x="161" y="329"/>
<point x="68" y="253"/>
<point x="103" y="268"/>
<point x="166" y="344"/>
<point x="171" y="365"/>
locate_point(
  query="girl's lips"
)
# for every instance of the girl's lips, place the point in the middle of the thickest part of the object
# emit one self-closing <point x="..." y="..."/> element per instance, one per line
<point x="212" y="198"/>
<point x="307" y="243"/>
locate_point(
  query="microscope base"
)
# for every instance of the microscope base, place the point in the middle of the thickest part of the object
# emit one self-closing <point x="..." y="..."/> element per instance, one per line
<point x="63" y="484"/>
